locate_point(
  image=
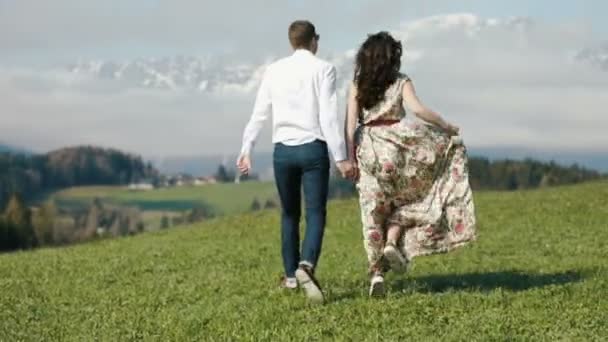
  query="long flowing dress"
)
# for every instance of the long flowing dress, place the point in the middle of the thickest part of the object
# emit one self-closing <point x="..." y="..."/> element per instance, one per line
<point x="414" y="175"/>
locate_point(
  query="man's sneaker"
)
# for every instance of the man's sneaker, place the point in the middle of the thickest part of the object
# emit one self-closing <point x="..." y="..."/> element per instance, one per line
<point x="396" y="260"/>
<point x="288" y="283"/>
<point x="308" y="282"/>
<point x="376" y="289"/>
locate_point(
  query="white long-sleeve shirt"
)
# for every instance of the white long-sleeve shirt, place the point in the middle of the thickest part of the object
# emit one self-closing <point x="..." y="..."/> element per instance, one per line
<point x="299" y="92"/>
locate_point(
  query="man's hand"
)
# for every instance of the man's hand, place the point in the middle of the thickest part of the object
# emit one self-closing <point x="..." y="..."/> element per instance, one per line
<point x="244" y="164"/>
<point x="348" y="169"/>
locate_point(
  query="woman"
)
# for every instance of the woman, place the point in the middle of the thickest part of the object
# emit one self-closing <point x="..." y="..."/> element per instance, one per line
<point x="413" y="182"/>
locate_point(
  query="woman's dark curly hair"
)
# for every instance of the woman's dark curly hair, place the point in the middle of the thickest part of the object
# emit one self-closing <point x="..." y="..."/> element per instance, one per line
<point x="377" y="67"/>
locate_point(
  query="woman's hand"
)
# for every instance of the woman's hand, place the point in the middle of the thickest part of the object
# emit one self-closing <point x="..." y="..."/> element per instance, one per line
<point x="354" y="176"/>
<point x="452" y="129"/>
<point x="348" y="169"/>
<point x="424" y="113"/>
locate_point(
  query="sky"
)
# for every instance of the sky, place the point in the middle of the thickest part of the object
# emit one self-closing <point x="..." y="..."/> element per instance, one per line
<point x="507" y="72"/>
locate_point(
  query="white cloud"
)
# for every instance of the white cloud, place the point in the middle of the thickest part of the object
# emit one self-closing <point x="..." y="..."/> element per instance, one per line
<point x="82" y="28"/>
<point x="506" y="82"/>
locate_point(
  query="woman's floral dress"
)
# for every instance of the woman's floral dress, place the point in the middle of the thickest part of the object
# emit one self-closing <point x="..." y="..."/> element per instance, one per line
<point x="414" y="175"/>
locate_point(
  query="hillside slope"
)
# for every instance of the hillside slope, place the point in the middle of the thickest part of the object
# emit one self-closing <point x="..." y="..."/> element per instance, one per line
<point x="537" y="272"/>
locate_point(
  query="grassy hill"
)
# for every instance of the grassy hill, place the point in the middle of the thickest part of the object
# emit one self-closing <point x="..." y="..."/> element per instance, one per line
<point x="224" y="198"/>
<point x="537" y="272"/>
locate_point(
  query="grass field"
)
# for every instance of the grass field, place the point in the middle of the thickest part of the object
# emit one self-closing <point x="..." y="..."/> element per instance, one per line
<point x="226" y="199"/>
<point x="538" y="271"/>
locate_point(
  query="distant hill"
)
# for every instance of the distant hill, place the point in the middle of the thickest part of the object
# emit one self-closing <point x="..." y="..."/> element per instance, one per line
<point x="75" y="166"/>
<point x="9" y="148"/>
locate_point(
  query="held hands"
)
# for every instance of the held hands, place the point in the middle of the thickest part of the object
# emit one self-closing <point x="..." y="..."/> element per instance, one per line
<point x="348" y="169"/>
<point x="244" y="164"/>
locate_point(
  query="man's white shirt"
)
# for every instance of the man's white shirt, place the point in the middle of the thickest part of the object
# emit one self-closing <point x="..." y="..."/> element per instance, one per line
<point x="299" y="92"/>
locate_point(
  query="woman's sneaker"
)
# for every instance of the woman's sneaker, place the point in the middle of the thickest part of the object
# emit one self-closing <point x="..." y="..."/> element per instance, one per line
<point x="396" y="260"/>
<point x="308" y="282"/>
<point x="376" y="288"/>
<point x="288" y="283"/>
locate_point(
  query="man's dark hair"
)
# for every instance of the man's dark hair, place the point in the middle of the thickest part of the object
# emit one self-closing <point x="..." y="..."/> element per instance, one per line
<point x="301" y="34"/>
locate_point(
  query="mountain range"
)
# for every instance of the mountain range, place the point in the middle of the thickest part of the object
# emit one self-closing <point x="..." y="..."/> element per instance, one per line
<point x="204" y="74"/>
<point x="215" y="74"/>
<point x="597" y="55"/>
<point x="13" y="149"/>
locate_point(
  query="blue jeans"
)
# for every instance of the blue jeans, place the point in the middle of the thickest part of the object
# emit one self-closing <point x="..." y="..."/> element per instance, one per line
<point x="303" y="166"/>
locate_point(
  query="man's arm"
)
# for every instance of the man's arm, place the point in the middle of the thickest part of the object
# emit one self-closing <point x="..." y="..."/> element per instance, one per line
<point x="262" y="110"/>
<point x="328" y="115"/>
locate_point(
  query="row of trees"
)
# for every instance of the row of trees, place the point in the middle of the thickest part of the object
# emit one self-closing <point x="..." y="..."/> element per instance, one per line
<point x="227" y="175"/>
<point x="486" y="175"/>
<point x="526" y="174"/>
<point x="501" y="175"/>
<point x="22" y="227"/>
<point x="201" y="212"/>
<point x="256" y="204"/>
<point x="32" y="174"/>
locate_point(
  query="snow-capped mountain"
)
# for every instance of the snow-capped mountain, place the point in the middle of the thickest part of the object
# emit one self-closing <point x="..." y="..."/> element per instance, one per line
<point x="180" y="72"/>
<point x="597" y="56"/>
<point x="213" y="74"/>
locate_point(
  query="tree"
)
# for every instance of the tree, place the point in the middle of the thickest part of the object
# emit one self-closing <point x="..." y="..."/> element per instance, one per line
<point x="44" y="223"/>
<point x="200" y="212"/>
<point x="92" y="220"/>
<point x="140" y="227"/>
<point x="270" y="204"/>
<point x="255" y="205"/>
<point x="18" y="223"/>
<point x="222" y="174"/>
<point x="250" y="177"/>
<point x="115" y="227"/>
<point x="177" y="220"/>
<point x="164" y="222"/>
<point x="15" y="211"/>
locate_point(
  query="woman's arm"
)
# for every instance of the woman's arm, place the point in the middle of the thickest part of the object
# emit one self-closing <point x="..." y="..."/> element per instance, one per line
<point x="350" y="125"/>
<point x="421" y="111"/>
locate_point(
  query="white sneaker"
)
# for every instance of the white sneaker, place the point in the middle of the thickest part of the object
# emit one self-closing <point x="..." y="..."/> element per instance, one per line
<point x="396" y="260"/>
<point x="376" y="289"/>
<point x="311" y="287"/>
<point x="289" y="283"/>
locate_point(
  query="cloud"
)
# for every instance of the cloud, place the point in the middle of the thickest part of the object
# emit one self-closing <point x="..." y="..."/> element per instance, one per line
<point x="84" y="28"/>
<point x="507" y="82"/>
<point x="62" y="111"/>
<point x="510" y="82"/>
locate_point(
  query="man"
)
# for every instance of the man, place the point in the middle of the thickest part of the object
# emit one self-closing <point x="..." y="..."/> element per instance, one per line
<point x="299" y="92"/>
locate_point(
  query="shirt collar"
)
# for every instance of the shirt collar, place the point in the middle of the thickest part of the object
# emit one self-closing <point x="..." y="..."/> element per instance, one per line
<point x="302" y="52"/>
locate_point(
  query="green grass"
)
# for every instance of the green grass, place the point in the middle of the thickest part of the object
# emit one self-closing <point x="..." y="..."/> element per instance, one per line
<point x="537" y="272"/>
<point x="224" y="198"/>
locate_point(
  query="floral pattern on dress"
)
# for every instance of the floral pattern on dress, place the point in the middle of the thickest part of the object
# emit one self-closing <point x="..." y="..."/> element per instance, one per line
<point x="413" y="175"/>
